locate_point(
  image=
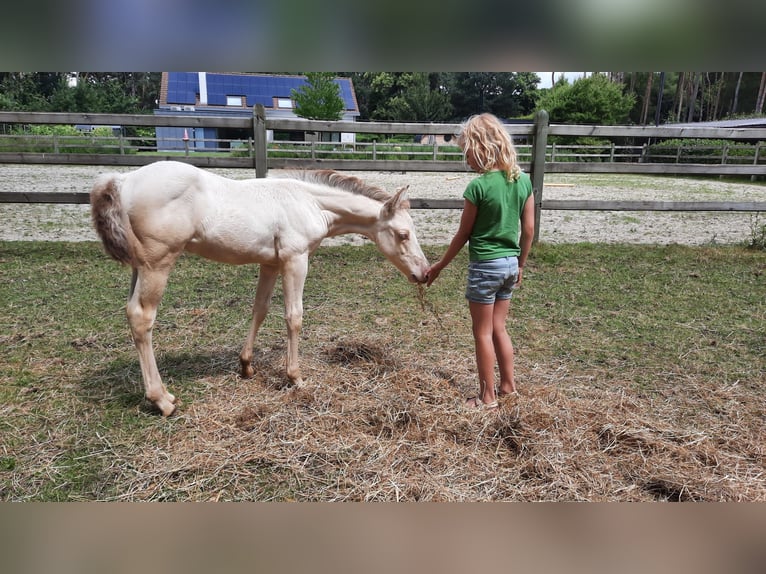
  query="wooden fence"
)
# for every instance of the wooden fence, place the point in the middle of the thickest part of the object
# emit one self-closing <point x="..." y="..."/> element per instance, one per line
<point x="541" y="157"/>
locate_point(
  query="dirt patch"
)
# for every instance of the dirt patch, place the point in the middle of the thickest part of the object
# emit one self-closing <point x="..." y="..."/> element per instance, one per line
<point x="52" y="222"/>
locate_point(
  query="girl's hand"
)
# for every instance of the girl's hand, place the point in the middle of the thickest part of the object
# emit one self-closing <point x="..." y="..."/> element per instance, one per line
<point x="432" y="273"/>
<point x="518" y="278"/>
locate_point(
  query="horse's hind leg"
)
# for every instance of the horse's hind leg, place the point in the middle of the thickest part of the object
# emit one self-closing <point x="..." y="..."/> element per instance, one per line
<point x="145" y="295"/>
<point x="293" y="280"/>
<point x="266" y="281"/>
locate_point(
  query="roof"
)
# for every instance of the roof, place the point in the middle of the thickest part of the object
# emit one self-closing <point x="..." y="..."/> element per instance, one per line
<point x="183" y="88"/>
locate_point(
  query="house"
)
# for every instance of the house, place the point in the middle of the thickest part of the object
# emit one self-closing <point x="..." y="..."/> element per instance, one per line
<point x="235" y="95"/>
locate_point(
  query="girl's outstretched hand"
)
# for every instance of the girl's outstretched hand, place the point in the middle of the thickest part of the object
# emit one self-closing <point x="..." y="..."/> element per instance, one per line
<point x="432" y="273"/>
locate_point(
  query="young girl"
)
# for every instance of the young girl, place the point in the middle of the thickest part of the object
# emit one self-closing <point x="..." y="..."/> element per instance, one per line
<point x="495" y="203"/>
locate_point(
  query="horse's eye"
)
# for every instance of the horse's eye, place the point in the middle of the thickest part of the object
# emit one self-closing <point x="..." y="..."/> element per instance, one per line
<point x="404" y="235"/>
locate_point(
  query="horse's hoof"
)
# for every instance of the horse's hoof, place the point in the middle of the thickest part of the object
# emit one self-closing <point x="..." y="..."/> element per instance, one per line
<point x="246" y="370"/>
<point x="167" y="407"/>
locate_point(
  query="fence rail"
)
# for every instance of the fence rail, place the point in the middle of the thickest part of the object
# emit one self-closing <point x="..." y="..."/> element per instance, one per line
<point x="537" y="157"/>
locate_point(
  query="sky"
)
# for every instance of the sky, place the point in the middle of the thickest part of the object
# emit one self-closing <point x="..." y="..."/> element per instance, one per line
<point x="545" y="77"/>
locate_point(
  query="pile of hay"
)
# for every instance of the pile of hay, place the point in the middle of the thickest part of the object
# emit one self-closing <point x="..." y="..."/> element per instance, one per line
<point x="370" y="426"/>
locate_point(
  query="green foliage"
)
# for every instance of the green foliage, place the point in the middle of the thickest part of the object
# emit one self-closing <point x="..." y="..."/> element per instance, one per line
<point x="757" y="233"/>
<point x="319" y="98"/>
<point x="62" y="139"/>
<point x="110" y="92"/>
<point x="505" y="94"/>
<point x="705" y="151"/>
<point x="597" y="149"/>
<point x="592" y="100"/>
<point x="411" y="98"/>
<point x="448" y="97"/>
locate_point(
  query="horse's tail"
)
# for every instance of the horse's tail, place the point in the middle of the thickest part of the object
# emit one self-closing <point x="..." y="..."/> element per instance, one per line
<point x="109" y="220"/>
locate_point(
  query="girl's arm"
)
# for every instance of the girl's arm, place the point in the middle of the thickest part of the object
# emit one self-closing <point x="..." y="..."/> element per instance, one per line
<point x="463" y="233"/>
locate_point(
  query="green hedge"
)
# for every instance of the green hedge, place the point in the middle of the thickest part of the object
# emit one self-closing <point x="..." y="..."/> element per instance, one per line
<point x="705" y="151"/>
<point x="62" y="139"/>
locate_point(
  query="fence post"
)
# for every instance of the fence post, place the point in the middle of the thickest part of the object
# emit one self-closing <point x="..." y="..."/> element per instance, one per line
<point x="537" y="167"/>
<point x="756" y="159"/>
<point x="259" y="139"/>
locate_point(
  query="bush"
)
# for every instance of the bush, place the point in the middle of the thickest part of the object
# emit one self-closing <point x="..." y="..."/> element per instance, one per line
<point x="757" y="233"/>
<point x="703" y="151"/>
<point x="62" y="139"/>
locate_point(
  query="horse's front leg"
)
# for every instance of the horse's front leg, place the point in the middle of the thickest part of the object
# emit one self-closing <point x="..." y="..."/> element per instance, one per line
<point x="266" y="281"/>
<point x="293" y="280"/>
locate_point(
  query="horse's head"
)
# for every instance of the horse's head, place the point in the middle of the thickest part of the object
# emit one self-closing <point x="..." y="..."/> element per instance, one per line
<point x="395" y="237"/>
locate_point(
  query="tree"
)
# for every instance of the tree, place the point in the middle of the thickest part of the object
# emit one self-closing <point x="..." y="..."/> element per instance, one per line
<point x="384" y="92"/>
<point x="25" y="91"/>
<point x="102" y="92"/>
<point x="319" y="98"/>
<point x="420" y="99"/>
<point x="504" y="94"/>
<point x="591" y="100"/>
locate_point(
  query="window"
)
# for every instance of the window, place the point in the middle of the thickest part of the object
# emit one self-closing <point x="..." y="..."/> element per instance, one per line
<point x="234" y="101"/>
<point x="284" y="103"/>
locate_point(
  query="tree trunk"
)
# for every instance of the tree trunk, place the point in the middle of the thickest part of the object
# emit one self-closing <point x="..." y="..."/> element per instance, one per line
<point x="693" y="96"/>
<point x="704" y="96"/>
<point x="761" y="94"/>
<point x="647" y="97"/>
<point x="736" y="95"/>
<point x="717" y="101"/>
<point x="660" y="95"/>
<point x="678" y="100"/>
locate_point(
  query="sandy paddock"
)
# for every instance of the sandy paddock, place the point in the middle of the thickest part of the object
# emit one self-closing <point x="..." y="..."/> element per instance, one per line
<point x="49" y="222"/>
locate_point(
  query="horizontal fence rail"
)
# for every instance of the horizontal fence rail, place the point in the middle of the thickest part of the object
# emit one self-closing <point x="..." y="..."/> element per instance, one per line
<point x="536" y="155"/>
<point x="74" y="198"/>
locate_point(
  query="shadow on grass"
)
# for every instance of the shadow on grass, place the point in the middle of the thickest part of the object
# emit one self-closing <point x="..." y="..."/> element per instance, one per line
<point x="119" y="383"/>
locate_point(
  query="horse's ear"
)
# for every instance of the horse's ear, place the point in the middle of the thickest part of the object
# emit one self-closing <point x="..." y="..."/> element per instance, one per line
<point x="398" y="201"/>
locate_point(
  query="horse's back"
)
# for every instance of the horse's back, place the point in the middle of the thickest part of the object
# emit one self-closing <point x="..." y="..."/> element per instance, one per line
<point x="229" y="220"/>
<point x="161" y="181"/>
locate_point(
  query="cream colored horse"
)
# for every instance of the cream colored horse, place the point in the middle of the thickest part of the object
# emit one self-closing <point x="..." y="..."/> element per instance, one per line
<point x="148" y="217"/>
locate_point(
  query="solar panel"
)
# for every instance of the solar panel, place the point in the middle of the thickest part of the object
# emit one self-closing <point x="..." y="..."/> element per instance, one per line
<point x="183" y="88"/>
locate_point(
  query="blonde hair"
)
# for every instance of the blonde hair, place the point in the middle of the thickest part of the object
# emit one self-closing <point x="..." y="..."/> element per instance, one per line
<point x="490" y="144"/>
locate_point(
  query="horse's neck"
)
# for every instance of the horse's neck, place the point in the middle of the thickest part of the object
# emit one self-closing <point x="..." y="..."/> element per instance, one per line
<point x="348" y="213"/>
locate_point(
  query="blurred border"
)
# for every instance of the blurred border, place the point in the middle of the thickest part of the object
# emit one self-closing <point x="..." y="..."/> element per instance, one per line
<point x="305" y="35"/>
<point x="449" y="35"/>
<point x="89" y="538"/>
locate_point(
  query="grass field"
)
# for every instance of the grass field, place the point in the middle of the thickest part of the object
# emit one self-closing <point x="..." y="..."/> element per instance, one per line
<point x="641" y="372"/>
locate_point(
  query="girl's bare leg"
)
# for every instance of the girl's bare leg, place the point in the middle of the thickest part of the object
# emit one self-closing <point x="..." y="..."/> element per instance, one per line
<point x="503" y="346"/>
<point x="482" y="320"/>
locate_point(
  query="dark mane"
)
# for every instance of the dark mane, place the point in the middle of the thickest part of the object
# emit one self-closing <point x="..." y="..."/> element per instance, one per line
<point x="347" y="182"/>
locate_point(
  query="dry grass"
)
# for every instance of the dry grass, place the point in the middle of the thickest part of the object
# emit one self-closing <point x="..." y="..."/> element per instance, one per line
<point x="373" y="429"/>
<point x="380" y="417"/>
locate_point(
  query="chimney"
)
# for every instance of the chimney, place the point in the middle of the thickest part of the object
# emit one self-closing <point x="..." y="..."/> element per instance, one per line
<point x="202" y="88"/>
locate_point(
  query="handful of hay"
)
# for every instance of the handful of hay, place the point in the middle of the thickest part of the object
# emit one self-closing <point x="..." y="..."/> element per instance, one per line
<point x="425" y="305"/>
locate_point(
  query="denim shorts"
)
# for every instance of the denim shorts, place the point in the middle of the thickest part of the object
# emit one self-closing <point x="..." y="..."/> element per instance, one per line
<point x="492" y="279"/>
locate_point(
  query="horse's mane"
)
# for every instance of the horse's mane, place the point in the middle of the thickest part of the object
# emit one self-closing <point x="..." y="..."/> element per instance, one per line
<point x="346" y="182"/>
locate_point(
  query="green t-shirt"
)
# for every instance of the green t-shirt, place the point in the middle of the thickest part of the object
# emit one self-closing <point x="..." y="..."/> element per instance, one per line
<point x="499" y="204"/>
